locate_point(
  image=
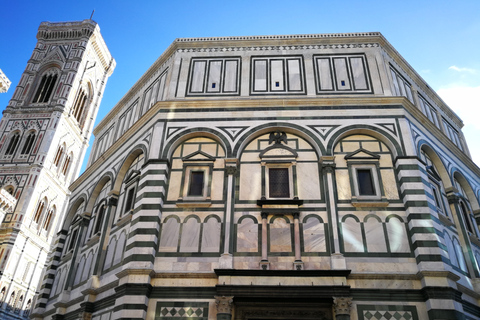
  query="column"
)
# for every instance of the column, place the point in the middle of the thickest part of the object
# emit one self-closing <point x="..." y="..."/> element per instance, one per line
<point x="328" y="168"/>
<point x="264" y="264"/>
<point x="224" y="307"/>
<point x="298" y="264"/>
<point x="342" y="306"/>
<point x="226" y="259"/>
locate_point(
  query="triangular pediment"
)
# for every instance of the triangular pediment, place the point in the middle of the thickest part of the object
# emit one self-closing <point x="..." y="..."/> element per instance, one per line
<point x="132" y="174"/>
<point x="362" y="154"/>
<point x="198" y="156"/>
<point x="56" y="55"/>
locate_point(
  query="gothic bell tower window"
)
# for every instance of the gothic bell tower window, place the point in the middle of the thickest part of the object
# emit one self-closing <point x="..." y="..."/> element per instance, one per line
<point x="80" y="104"/>
<point x="27" y="147"/>
<point x="45" y="88"/>
<point x="12" y="145"/>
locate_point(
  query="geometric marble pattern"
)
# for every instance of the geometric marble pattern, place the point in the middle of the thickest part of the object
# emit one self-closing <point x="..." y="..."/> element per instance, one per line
<point x="387" y="315"/>
<point x="387" y="312"/>
<point x="179" y="310"/>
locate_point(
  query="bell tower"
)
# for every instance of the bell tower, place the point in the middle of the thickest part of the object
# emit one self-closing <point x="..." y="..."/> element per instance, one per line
<point x="44" y="134"/>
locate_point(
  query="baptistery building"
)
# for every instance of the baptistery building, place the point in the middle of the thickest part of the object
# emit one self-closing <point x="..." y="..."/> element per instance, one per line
<point x="272" y="177"/>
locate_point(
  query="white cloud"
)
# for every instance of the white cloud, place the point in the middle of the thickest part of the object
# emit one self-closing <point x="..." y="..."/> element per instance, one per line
<point x="465" y="102"/>
<point x="468" y="70"/>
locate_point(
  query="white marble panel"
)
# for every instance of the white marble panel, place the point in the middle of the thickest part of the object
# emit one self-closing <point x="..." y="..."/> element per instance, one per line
<point x="247" y="236"/>
<point x="174" y="186"/>
<point x="385" y="161"/>
<point x="314" y="236"/>
<point x="277" y="72"/>
<point x="350" y="146"/>
<point x="214" y="76"/>
<point x="198" y="76"/>
<point x="294" y="80"/>
<point x="250" y="182"/>
<point x="78" y="274"/>
<point x="308" y="181"/>
<point x="169" y="237"/>
<point x="359" y="76"/>
<point x="372" y="146"/>
<point x="325" y="75"/>
<point x="110" y="252"/>
<point x="189" y="148"/>
<point x="341" y="73"/>
<point x="211" y="236"/>
<point x="161" y="87"/>
<point x="459" y="252"/>
<point x="119" y="248"/>
<point x="342" y="179"/>
<point x="280" y="236"/>
<point x="352" y="236"/>
<point x="190" y="236"/>
<point x="397" y="236"/>
<point x="217" y="185"/>
<point x="88" y="266"/>
<point x="210" y="148"/>
<point x="389" y="184"/>
<point x="375" y="235"/>
<point x="230" y="76"/>
<point x="260" y="80"/>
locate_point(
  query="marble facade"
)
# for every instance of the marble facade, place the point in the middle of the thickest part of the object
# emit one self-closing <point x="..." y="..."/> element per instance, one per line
<point x="272" y="177"/>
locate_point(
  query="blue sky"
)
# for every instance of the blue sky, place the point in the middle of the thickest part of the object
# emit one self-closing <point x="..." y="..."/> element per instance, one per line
<point x="440" y="39"/>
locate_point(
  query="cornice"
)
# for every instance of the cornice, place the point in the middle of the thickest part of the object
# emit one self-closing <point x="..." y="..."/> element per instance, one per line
<point x="73" y="30"/>
<point x="282" y="37"/>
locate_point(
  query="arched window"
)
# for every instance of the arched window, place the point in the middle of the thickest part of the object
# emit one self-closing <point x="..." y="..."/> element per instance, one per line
<point x="11" y="302"/>
<point x="99" y="219"/>
<point x="19" y="304"/>
<point x="99" y="208"/>
<point x="466" y="217"/>
<point x="12" y="146"/>
<point x="45" y="88"/>
<point x="79" y="105"/>
<point x="2" y="295"/>
<point x="39" y="211"/>
<point x="10" y="189"/>
<point x="58" y="156"/>
<point x="27" y="147"/>
<point x="66" y="164"/>
<point x="48" y="219"/>
<point x="27" y="308"/>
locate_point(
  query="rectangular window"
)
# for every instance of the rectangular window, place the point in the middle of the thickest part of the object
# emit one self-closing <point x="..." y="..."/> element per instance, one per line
<point x="278" y="183"/>
<point x="195" y="188"/>
<point x="365" y="182"/>
<point x="129" y="202"/>
<point x="73" y="239"/>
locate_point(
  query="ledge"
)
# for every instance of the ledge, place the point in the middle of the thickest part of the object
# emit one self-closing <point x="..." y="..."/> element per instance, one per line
<point x="281" y="273"/>
<point x="279" y="202"/>
<point x="371" y="204"/>
<point x="196" y="204"/>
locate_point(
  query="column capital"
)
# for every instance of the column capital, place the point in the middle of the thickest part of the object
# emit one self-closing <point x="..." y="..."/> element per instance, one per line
<point x="342" y="305"/>
<point x="231" y="165"/>
<point x="224" y="304"/>
<point x="327" y="163"/>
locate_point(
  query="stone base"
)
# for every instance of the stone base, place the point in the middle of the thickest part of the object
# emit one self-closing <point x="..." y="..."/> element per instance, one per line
<point x="338" y="262"/>
<point x="225" y="261"/>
